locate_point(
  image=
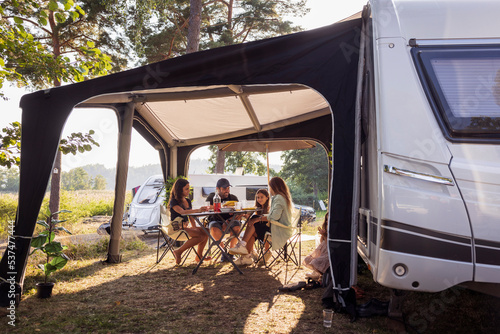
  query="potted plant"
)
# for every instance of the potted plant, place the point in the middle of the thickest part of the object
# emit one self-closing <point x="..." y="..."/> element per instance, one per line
<point x="55" y="258"/>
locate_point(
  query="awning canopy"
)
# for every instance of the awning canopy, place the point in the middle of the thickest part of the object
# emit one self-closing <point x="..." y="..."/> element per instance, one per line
<point x="185" y="116"/>
<point x="300" y="86"/>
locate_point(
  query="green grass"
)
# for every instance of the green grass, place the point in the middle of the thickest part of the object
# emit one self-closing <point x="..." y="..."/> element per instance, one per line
<point x="8" y="208"/>
<point x="82" y="204"/>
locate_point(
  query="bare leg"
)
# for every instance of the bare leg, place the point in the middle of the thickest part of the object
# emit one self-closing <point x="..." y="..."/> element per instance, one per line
<point x="249" y="232"/>
<point x="201" y="245"/>
<point x="250" y="242"/>
<point x="216" y="233"/>
<point x="186" y="245"/>
<point x="233" y="241"/>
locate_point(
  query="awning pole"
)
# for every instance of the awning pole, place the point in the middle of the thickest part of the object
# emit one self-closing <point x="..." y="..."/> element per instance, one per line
<point x="124" y="139"/>
<point x="267" y="156"/>
<point x="357" y="154"/>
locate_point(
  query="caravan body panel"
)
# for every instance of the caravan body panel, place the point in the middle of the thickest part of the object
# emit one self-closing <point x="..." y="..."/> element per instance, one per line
<point x="477" y="173"/>
<point x="430" y="204"/>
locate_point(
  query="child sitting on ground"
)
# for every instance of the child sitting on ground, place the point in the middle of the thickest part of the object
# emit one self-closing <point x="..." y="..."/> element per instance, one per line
<point x="318" y="260"/>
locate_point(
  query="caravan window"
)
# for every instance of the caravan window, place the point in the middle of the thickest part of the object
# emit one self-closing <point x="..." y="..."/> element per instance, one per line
<point x="149" y="194"/>
<point x="205" y="191"/>
<point x="251" y="192"/>
<point x="463" y="86"/>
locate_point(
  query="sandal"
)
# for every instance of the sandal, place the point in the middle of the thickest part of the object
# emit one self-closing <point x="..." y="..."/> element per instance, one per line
<point x="292" y="287"/>
<point x="312" y="284"/>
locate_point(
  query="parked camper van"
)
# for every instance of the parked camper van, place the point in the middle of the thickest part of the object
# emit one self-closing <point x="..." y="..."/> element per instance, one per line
<point x="144" y="210"/>
<point x="429" y="211"/>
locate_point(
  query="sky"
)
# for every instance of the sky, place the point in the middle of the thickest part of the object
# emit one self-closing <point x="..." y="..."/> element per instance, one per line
<point x="104" y="123"/>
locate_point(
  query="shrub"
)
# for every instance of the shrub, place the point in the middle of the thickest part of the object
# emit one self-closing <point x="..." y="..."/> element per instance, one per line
<point x="134" y="244"/>
<point x="55" y="259"/>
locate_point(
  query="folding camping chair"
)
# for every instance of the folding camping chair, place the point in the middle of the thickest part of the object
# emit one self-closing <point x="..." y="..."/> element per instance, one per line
<point x="288" y="251"/>
<point x="170" y="239"/>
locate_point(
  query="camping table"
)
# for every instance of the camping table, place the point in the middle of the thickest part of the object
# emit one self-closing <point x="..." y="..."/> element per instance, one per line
<point x="228" y="229"/>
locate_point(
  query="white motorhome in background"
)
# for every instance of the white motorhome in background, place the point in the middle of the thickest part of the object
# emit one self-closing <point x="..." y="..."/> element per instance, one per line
<point x="243" y="186"/>
<point x="429" y="190"/>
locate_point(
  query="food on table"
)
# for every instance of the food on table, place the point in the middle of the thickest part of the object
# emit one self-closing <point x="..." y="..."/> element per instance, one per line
<point x="229" y="203"/>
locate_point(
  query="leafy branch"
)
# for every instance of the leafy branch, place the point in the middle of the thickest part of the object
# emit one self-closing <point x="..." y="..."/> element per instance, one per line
<point x="10" y="144"/>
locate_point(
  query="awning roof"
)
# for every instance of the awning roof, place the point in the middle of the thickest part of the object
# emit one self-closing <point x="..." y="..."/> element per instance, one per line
<point x="196" y="115"/>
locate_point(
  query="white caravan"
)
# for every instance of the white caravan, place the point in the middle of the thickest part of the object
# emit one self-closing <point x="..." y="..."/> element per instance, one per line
<point x="144" y="210"/>
<point x="429" y="183"/>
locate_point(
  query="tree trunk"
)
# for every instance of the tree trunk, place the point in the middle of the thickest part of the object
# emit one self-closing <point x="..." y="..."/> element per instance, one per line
<point x="193" y="38"/>
<point x="230" y="15"/>
<point x="219" y="165"/>
<point x="55" y="185"/>
<point x="315" y="192"/>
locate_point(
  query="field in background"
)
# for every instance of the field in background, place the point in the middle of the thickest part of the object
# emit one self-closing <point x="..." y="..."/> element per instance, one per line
<point x="83" y="205"/>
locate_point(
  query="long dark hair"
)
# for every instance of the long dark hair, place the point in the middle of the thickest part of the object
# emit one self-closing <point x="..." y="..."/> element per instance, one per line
<point x="176" y="191"/>
<point x="279" y="187"/>
<point x="265" y="207"/>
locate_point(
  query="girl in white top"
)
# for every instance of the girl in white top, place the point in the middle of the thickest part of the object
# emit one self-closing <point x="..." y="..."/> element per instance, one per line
<point x="280" y="212"/>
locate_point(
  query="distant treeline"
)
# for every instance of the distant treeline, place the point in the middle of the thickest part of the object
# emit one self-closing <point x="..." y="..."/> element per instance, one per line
<point x="96" y="176"/>
<point x="136" y="175"/>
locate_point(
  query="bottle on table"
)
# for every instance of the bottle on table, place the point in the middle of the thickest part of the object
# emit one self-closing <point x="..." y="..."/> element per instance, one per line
<point x="217" y="202"/>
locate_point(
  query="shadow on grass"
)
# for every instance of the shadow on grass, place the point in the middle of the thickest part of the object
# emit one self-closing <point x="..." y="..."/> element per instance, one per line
<point x="170" y="299"/>
<point x="454" y="310"/>
<point x="137" y="296"/>
<point x="75" y="270"/>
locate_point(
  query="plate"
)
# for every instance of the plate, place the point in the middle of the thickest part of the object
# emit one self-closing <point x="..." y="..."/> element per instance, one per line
<point x="226" y="209"/>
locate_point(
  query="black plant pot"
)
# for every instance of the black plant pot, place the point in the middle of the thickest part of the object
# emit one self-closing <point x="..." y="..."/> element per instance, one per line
<point x="44" y="290"/>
